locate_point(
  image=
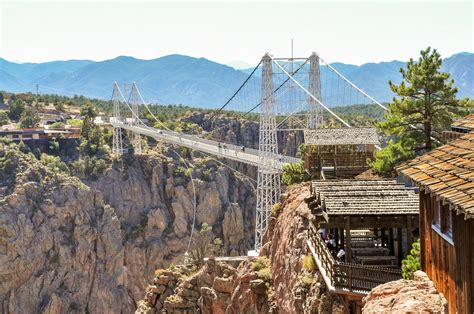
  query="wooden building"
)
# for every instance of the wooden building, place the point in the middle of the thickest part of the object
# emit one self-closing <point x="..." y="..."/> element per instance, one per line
<point x="385" y="209"/>
<point x="344" y="151"/>
<point x="459" y="128"/>
<point x="446" y="180"/>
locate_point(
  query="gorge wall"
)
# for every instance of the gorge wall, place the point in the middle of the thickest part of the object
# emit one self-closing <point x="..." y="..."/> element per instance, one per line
<point x="69" y="246"/>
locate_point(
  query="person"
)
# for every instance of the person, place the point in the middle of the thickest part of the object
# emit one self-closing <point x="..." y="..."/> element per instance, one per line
<point x="331" y="243"/>
<point x="219" y="145"/>
<point x="243" y="148"/>
<point x="341" y="255"/>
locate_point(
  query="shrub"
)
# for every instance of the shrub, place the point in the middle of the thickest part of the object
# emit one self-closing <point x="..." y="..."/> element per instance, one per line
<point x="308" y="263"/>
<point x="265" y="274"/>
<point x="294" y="173"/>
<point x="276" y="210"/>
<point x="74" y="122"/>
<point x="261" y="263"/>
<point x="307" y="280"/>
<point x="207" y="175"/>
<point x="4" y="118"/>
<point x="412" y="262"/>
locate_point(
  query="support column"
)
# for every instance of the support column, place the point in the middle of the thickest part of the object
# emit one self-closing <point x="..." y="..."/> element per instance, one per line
<point x="315" y="111"/>
<point x="134" y="101"/>
<point x="268" y="177"/>
<point x="382" y="236"/>
<point x="399" y="245"/>
<point x="409" y="233"/>
<point x="117" y="99"/>
<point x="348" y="240"/>
<point x="391" y="241"/>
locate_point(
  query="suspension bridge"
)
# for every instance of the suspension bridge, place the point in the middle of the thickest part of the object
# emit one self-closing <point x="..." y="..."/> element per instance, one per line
<point x="290" y="94"/>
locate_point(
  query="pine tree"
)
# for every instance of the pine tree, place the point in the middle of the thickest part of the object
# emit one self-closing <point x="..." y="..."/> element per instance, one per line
<point x="426" y="105"/>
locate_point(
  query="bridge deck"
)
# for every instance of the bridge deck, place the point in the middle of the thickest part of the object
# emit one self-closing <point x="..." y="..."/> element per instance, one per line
<point x="233" y="152"/>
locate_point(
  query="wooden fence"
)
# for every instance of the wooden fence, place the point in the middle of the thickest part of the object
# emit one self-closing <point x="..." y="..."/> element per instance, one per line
<point x="347" y="277"/>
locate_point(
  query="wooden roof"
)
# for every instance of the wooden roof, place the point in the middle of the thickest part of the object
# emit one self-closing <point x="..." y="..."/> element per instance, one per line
<point x="342" y="136"/>
<point x="464" y="123"/>
<point x="366" y="197"/>
<point x="447" y="172"/>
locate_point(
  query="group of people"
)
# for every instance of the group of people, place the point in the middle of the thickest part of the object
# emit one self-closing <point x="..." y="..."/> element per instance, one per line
<point x="336" y="251"/>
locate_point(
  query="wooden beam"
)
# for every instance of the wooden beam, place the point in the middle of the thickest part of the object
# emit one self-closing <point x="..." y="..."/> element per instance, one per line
<point x="399" y="245"/>
<point x="409" y="233"/>
<point x="372" y="222"/>
<point x="348" y="241"/>
<point x="382" y="235"/>
<point x="341" y="231"/>
<point x="391" y="241"/>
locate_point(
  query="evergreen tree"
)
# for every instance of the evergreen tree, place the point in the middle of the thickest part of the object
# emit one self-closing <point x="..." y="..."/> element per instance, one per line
<point x="426" y="100"/>
<point x="16" y="109"/>
<point x="29" y="118"/>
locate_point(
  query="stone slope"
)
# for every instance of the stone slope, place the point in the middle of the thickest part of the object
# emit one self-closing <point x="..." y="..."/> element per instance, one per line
<point x="74" y="247"/>
<point x="275" y="282"/>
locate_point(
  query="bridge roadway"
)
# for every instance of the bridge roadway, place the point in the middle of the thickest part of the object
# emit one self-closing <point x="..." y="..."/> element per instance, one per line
<point x="233" y="152"/>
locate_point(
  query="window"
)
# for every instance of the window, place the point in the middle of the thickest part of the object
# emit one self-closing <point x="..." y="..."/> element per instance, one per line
<point x="442" y="221"/>
<point x="437" y="214"/>
<point x="447" y="221"/>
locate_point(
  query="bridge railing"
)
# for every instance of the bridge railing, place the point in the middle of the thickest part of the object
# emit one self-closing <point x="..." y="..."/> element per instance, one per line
<point x="347" y="277"/>
<point x="225" y="148"/>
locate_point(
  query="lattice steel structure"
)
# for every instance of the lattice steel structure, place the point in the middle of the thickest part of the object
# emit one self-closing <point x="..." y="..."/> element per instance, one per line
<point x="268" y="181"/>
<point x="117" y="97"/>
<point x="134" y="100"/>
<point x="315" y="111"/>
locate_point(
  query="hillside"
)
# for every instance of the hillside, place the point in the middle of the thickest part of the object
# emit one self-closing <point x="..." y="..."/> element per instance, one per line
<point x="178" y="79"/>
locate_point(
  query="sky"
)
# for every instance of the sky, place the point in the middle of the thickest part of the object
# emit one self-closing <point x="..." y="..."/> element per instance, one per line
<point x="351" y="31"/>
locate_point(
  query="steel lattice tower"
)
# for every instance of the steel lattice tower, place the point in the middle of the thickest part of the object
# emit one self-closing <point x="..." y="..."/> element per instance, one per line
<point x="133" y="101"/>
<point x="117" y="146"/>
<point x="315" y="111"/>
<point x="268" y="182"/>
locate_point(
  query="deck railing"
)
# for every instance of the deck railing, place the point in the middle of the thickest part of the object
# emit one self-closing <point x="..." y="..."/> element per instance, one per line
<point x="347" y="277"/>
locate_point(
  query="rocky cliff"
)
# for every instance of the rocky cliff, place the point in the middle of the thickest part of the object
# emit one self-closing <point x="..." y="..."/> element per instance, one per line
<point x="71" y="246"/>
<point x="283" y="279"/>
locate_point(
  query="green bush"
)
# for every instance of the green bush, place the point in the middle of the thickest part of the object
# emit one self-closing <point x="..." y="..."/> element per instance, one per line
<point x="261" y="263"/>
<point x="207" y="175"/>
<point x="294" y="173"/>
<point x="4" y="118"/>
<point x="309" y="263"/>
<point x="74" y="122"/>
<point x="412" y="262"/>
<point x="276" y="210"/>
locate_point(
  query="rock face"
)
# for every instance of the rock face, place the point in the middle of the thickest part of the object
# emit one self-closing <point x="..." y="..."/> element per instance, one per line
<point x="406" y="296"/>
<point x="184" y="289"/>
<point x="274" y="282"/>
<point x="74" y="247"/>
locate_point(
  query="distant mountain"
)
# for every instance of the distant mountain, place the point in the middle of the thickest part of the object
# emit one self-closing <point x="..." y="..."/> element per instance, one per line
<point x="199" y="82"/>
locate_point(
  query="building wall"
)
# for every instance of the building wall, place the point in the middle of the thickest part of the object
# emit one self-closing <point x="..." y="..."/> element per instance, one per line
<point x="448" y="263"/>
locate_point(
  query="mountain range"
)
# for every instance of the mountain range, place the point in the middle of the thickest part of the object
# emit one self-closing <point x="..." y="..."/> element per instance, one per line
<point x="179" y="79"/>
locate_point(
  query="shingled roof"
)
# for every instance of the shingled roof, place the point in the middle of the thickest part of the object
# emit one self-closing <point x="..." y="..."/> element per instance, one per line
<point x="366" y="197"/>
<point x="342" y="136"/>
<point x="466" y="123"/>
<point x="448" y="172"/>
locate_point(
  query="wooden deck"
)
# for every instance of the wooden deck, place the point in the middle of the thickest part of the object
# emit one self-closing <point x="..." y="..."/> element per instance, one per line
<point x="347" y="278"/>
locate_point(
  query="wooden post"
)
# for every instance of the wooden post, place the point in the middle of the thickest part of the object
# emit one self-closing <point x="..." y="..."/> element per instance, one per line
<point x="399" y="245"/>
<point x="391" y="241"/>
<point x="341" y="231"/>
<point x="336" y="237"/>
<point x="383" y="242"/>
<point x="409" y="233"/>
<point x="376" y="233"/>
<point x="348" y="240"/>
<point x="335" y="160"/>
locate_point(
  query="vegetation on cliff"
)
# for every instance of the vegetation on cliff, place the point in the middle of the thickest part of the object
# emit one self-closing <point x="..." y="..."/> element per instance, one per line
<point x="426" y="105"/>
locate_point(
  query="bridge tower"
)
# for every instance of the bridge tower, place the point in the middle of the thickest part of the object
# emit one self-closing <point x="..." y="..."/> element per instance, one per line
<point x="117" y="97"/>
<point x="134" y="101"/>
<point x="268" y="181"/>
<point x="315" y="111"/>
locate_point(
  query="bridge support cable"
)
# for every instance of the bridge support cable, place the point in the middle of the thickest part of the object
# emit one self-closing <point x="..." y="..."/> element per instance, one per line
<point x="117" y="145"/>
<point x="311" y="95"/>
<point x="268" y="178"/>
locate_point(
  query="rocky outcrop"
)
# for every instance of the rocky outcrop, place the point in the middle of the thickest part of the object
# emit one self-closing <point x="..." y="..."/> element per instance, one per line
<point x="406" y="296"/>
<point x="278" y="281"/>
<point x="184" y="289"/>
<point x="74" y="247"/>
